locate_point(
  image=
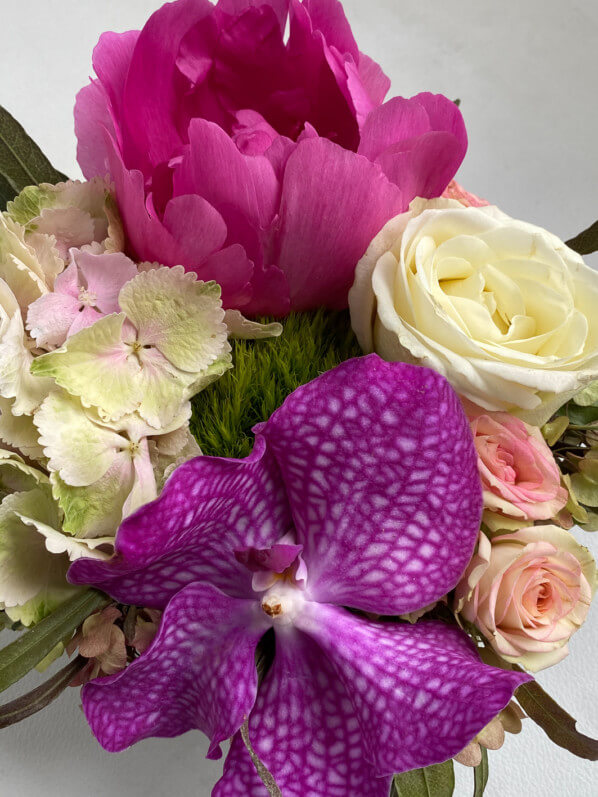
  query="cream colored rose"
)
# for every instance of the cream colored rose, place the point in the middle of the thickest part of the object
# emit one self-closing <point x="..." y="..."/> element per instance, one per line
<point x="503" y="309"/>
<point x="528" y="592"/>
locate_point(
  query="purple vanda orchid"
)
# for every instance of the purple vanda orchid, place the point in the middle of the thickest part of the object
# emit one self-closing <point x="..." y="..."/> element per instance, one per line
<point x="362" y="492"/>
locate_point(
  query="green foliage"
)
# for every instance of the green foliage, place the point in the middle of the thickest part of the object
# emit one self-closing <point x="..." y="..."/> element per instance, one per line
<point x="437" y="780"/>
<point x="587" y="241"/>
<point x="480" y="774"/>
<point x="22" y="163"/>
<point x="22" y="655"/>
<point x="555" y="722"/>
<point x="265" y="372"/>
<point x="34" y="701"/>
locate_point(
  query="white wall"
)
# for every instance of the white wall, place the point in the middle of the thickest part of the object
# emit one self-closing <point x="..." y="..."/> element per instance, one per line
<point x="526" y="73"/>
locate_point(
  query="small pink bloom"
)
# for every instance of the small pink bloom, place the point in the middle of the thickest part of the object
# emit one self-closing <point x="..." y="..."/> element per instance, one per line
<point x="528" y="592"/>
<point x="103" y="643"/>
<point x="456" y="191"/>
<point x="85" y="291"/>
<point x="520" y="477"/>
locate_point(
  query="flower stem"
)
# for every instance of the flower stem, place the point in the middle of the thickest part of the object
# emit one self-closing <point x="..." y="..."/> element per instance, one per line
<point x="264" y="773"/>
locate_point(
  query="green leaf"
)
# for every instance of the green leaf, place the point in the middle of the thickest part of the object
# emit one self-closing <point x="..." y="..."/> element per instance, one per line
<point x="437" y="780"/>
<point x="42" y="696"/>
<point x="480" y="774"/>
<point x="22" y="655"/>
<point x="555" y="722"/>
<point x="581" y="416"/>
<point x="586" y="242"/>
<point x="588" y="397"/>
<point x="22" y="162"/>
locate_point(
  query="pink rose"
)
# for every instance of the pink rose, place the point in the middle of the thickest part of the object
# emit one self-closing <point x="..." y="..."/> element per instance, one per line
<point x="265" y="162"/>
<point x="527" y="593"/>
<point x="456" y="191"/>
<point x="520" y="477"/>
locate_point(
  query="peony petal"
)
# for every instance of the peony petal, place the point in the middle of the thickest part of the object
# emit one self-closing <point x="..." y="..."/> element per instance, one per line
<point x="325" y="227"/>
<point x="419" y="143"/>
<point x="151" y="136"/>
<point x="420" y="692"/>
<point x="198" y="673"/>
<point x="209" y="508"/>
<point x="213" y="167"/>
<point x="381" y="473"/>
<point x="92" y="120"/>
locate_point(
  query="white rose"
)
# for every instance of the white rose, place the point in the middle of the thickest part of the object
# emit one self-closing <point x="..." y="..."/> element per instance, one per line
<point x="503" y="309"/>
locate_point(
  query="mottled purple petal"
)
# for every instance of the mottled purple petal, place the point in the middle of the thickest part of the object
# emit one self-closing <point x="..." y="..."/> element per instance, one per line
<point x="305" y="731"/>
<point x="419" y="692"/>
<point x="333" y="203"/>
<point x="198" y="673"/>
<point x="381" y="474"/>
<point x="274" y="559"/>
<point x="209" y="508"/>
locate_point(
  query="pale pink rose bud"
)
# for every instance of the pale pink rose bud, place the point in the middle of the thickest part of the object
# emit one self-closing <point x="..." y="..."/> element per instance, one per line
<point x="103" y="643"/>
<point x="520" y="477"/>
<point x="527" y="593"/>
<point x="456" y="191"/>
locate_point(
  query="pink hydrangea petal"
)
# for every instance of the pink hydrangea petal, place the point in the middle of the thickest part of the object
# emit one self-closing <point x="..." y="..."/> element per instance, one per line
<point x="381" y="474"/>
<point x="326" y="224"/>
<point x="104" y="275"/>
<point x="420" y="692"/>
<point x="209" y="508"/>
<point x="304" y="729"/>
<point x="151" y="135"/>
<point x="199" y="672"/>
<point x="50" y="317"/>
<point x="85" y="317"/>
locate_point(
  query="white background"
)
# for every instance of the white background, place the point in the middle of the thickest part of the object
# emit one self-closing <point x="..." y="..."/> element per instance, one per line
<point x="526" y="72"/>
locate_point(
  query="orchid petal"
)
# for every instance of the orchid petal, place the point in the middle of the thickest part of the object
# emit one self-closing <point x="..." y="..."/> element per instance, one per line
<point x="198" y="673"/>
<point x="209" y="508"/>
<point x="381" y="473"/>
<point x="304" y="729"/>
<point x="419" y="692"/>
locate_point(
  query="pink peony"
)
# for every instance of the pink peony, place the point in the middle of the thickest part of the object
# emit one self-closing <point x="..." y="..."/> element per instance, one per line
<point x="528" y="592"/>
<point x="265" y="162"/>
<point x="520" y="477"/>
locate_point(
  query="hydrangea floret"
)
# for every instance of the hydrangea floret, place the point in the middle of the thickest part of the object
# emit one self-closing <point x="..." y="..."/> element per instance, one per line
<point x="361" y="496"/>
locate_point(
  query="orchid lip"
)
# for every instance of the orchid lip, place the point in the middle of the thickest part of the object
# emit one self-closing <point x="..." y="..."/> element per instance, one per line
<point x="283" y="602"/>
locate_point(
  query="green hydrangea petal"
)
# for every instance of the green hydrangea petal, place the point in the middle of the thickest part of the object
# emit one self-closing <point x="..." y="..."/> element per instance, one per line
<point x="19" y="431"/>
<point x="32" y="580"/>
<point x="78" y="446"/>
<point x="98" y="366"/>
<point x="241" y="328"/>
<point x="16" y="476"/>
<point x="179" y="315"/>
<point x="16" y="379"/>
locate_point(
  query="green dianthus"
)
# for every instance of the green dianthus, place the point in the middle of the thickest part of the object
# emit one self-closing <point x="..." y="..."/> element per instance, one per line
<point x="265" y="372"/>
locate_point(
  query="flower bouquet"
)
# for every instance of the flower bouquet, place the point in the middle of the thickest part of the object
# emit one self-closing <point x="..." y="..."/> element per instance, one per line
<point x="295" y="428"/>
